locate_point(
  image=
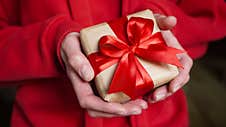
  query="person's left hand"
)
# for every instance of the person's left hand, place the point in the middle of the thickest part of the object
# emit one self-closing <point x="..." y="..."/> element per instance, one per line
<point x="166" y="23"/>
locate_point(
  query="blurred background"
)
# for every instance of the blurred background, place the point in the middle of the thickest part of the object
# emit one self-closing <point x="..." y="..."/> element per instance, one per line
<point x="7" y="96"/>
<point x="206" y="91"/>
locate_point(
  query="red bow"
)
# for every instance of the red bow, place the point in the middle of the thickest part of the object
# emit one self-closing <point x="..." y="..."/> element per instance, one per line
<point x="130" y="76"/>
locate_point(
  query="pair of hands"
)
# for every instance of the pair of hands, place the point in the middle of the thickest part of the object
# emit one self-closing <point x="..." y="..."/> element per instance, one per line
<point x="80" y="73"/>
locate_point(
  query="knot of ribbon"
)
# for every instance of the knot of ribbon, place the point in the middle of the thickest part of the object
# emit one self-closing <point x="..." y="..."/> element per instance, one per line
<point x="130" y="77"/>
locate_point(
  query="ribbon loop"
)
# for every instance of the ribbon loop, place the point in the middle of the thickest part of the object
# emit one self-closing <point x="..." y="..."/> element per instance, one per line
<point x="139" y="29"/>
<point x="112" y="47"/>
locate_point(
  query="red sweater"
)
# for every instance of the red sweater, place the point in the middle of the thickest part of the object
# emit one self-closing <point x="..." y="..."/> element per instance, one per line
<point x="30" y="36"/>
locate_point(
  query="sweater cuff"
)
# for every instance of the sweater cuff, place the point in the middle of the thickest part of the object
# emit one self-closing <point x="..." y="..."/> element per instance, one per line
<point x="64" y="28"/>
<point x="58" y="28"/>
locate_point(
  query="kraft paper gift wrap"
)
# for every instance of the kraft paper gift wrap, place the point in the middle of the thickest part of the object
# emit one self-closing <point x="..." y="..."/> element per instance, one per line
<point x="160" y="73"/>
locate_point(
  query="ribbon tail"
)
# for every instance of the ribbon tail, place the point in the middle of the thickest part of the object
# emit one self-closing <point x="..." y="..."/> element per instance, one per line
<point x="165" y="55"/>
<point x="124" y="79"/>
<point x="144" y="83"/>
<point x="100" y="62"/>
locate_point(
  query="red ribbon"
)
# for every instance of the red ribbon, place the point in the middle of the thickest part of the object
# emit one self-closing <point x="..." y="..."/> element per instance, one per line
<point x="134" y="38"/>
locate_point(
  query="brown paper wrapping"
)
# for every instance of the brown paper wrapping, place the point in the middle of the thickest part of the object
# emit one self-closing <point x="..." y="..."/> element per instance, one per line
<point x="160" y="73"/>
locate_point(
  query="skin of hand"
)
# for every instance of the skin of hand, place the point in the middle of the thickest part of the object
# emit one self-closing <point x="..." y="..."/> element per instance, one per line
<point x="166" y="23"/>
<point x="80" y="72"/>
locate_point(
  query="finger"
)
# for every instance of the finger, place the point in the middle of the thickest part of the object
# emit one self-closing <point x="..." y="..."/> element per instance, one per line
<point x="186" y="61"/>
<point x="81" y="65"/>
<point x="165" y="22"/>
<point x="95" y="103"/>
<point x="135" y="107"/>
<point x="159" y="94"/>
<point x="71" y="42"/>
<point x="171" y="40"/>
<point x="183" y="76"/>
<point x="131" y="108"/>
<point x="177" y="83"/>
<point x="93" y="113"/>
<point x="76" y="59"/>
<point x="139" y="102"/>
<point x="186" y="79"/>
<point x="88" y="100"/>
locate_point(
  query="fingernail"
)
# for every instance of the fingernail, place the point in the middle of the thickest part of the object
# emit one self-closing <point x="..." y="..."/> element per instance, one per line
<point x="86" y="73"/>
<point x="177" y="87"/>
<point x="122" y="112"/>
<point x="160" y="96"/>
<point x="144" y="105"/>
<point x="136" y="111"/>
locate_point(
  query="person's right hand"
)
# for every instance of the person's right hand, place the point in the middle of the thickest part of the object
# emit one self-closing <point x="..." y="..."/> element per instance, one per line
<point x="80" y="73"/>
<point x="166" y="23"/>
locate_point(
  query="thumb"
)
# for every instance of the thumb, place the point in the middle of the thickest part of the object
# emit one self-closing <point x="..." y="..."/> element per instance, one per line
<point x="74" y="58"/>
<point x="165" y="22"/>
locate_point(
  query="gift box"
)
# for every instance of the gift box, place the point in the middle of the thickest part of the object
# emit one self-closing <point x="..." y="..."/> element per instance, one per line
<point x="129" y="56"/>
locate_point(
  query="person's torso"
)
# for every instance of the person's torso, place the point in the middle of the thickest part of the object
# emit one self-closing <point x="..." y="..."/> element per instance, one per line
<point x="52" y="102"/>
